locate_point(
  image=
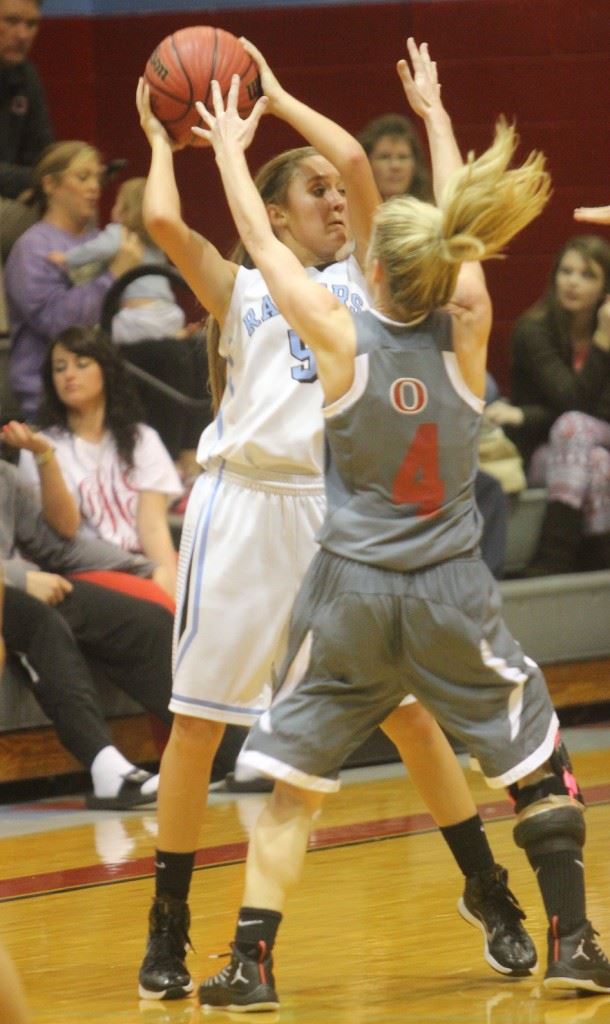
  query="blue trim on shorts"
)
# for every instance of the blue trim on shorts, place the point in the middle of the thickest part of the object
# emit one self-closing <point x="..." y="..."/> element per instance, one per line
<point x="203" y="527"/>
<point x="235" y="708"/>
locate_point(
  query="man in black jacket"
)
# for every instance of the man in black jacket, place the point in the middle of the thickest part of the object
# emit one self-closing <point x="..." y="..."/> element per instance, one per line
<point x="25" y="126"/>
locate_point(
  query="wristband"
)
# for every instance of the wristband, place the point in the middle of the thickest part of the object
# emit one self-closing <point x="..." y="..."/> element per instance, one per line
<point x="43" y="457"/>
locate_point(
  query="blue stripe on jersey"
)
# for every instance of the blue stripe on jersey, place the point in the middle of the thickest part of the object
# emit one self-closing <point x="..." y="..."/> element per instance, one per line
<point x="201" y="537"/>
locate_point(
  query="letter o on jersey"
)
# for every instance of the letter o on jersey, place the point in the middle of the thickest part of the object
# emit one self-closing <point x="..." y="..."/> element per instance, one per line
<point x="409" y="395"/>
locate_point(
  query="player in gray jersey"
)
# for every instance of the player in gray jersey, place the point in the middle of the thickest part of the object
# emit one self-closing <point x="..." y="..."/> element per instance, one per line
<point x="399" y="598"/>
<point x="252" y="519"/>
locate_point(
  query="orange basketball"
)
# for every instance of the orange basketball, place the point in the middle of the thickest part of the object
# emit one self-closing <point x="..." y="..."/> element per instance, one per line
<point x="181" y="69"/>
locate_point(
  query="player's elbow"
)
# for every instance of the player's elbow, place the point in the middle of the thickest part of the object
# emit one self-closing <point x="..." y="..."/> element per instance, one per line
<point x="161" y="226"/>
<point x="354" y="160"/>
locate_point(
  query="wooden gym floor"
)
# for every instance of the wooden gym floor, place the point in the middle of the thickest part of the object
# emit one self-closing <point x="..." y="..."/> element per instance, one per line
<point x="371" y="935"/>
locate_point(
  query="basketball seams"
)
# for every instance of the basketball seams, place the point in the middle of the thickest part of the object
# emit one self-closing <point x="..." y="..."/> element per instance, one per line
<point x="243" y="75"/>
<point x="182" y="68"/>
<point x="210" y="53"/>
<point x="212" y="69"/>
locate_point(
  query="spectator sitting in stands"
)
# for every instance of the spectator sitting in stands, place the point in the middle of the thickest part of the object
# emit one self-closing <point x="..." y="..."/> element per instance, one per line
<point x="397" y="157"/>
<point x="25" y="127"/>
<point x="48" y="615"/>
<point x="148" y="306"/>
<point x="42" y="300"/>
<point x="95" y="464"/>
<point x="560" y="412"/>
<point x="399" y="166"/>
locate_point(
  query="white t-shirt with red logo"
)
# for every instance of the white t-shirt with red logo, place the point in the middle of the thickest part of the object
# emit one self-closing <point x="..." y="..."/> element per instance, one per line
<point x="106" y="491"/>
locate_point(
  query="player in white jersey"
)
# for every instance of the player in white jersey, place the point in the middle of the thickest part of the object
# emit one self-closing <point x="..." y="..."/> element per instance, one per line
<point x="398" y="595"/>
<point x="251" y="520"/>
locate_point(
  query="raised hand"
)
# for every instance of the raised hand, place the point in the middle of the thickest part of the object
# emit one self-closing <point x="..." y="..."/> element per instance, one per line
<point x="151" y="125"/>
<point x="225" y="126"/>
<point x="270" y="85"/>
<point x="421" y="85"/>
<point x="20" y="435"/>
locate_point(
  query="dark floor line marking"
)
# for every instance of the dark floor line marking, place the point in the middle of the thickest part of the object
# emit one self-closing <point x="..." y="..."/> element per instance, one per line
<point x="332" y="837"/>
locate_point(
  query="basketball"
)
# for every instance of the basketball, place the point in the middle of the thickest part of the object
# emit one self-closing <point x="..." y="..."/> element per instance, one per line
<point x="180" y="71"/>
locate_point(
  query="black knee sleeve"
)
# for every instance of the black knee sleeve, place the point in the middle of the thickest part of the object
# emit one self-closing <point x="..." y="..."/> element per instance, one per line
<point x="549" y="825"/>
<point x="550" y="812"/>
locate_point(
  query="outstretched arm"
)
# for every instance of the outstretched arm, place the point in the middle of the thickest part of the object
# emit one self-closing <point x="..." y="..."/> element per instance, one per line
<point x="332" y="141"/>
<point x="423" y="91"/>
<point x="593" y="214"/>
<point x="209" y="275"/>
<point x="470" y="305"/>
<point x="314" y="312"/>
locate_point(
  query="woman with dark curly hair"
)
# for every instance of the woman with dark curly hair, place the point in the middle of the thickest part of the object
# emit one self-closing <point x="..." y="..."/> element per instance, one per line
<point x="99" y="469"/>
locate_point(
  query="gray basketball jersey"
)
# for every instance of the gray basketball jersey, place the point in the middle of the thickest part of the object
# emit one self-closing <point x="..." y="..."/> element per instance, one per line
<point x="403" y="450"/>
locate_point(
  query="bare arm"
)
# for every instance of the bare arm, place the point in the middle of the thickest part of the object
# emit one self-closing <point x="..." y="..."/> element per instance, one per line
<point x="155" y="537"/>
<point x="317" y="315"/>
<point x="593" y="214"/>
<point x="58" y="505"/>
<point x="423" y="91"/>
<point x="332" y="141"/>
<point x="207" y="273"/>
<point x="470" y="305"/>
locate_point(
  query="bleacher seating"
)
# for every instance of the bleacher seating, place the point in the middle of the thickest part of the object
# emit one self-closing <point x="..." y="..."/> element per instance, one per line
<point x="561" y="621"/>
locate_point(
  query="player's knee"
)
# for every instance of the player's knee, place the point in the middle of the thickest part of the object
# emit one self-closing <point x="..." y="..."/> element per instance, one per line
<point x="550" y="811"/>
<point x="291" y="800"/>
<point x="196" y="734"/>
<point x="410" y="723"/>
<point x="551" y="824"/>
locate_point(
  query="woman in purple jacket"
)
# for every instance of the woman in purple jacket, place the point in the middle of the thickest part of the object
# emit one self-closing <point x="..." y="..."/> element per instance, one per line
<point x="42" y="299"/>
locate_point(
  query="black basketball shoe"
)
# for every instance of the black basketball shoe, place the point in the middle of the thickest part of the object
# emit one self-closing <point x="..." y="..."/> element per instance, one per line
<point x="163" y="974"/>
<point x="577" y="961"/>
<point x="245" y="985"/>
<point x="489" y="904"/>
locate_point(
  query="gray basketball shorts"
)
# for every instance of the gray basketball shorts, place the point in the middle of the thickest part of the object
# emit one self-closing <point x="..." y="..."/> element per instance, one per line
<point x="375" y="636"/>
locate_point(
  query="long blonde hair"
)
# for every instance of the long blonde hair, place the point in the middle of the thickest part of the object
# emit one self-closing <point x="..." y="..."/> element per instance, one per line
<point x="484" y="204"/>
<point x="272" y="181"/>
<point x="55" y="161"/>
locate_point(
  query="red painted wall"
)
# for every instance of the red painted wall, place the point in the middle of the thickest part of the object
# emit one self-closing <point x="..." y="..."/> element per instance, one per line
<point x="544" y="62"/>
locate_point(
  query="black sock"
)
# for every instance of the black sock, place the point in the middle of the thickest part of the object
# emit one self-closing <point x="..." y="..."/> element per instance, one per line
<point x="561" y="878"/>
<point x="254" y="926"/>
<point x="468" y="843"/>
<point x="173" y="872"/>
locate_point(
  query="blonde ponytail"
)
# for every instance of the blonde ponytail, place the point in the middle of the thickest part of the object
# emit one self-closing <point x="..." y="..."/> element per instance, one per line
<point x="484" y="204"/>
<point x="492" y="202"/>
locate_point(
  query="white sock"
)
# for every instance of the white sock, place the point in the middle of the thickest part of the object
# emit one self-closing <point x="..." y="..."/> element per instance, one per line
<point x="107" y="771"/>
<point x="150" y="786"/>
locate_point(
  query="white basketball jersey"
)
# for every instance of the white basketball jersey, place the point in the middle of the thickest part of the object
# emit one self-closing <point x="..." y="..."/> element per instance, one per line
<point x="270" y="417"/>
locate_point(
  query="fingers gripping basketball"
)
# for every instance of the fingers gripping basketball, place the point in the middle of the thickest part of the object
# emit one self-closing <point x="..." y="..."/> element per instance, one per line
<point x="181" y="69"/>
